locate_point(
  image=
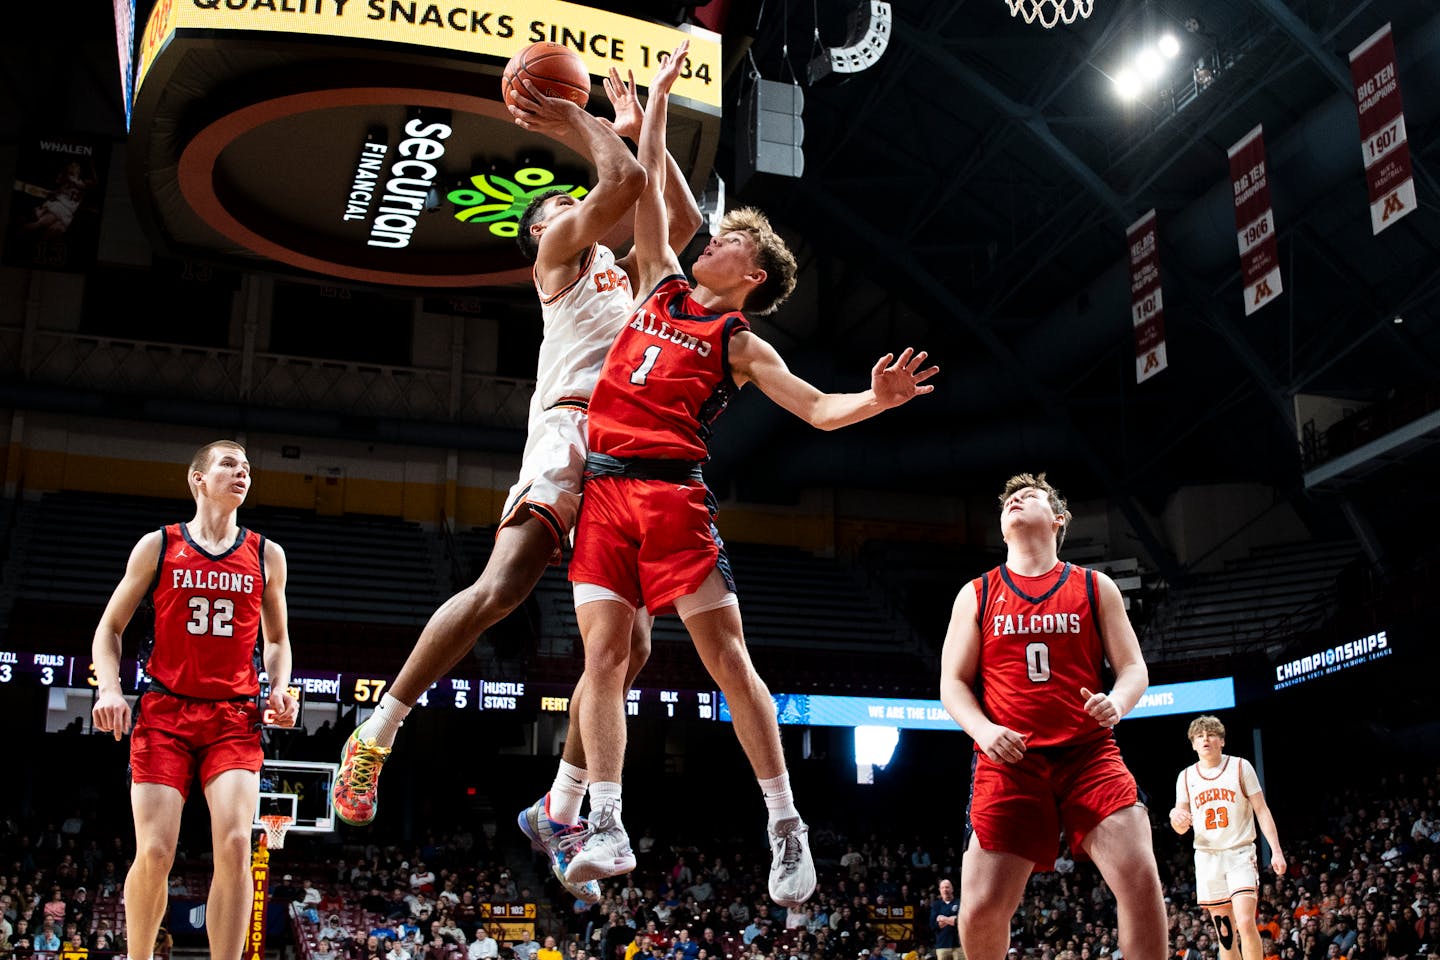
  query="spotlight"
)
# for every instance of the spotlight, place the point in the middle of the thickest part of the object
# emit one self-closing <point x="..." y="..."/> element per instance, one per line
<point x="1127" y="84"/>
<point x="1150" y="63"/>
<point x="1169" y="46"/>
<point x="1399" y="319"/>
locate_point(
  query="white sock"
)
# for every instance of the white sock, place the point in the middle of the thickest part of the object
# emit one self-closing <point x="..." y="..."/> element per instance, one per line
<point x="779" y="800"/>
<point x="605" y="795"/>
<point x="567" y="793"/>
<point x="385" y="721"/>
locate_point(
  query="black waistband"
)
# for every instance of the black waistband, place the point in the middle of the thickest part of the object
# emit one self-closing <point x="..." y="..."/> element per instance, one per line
<point x="671" y="471"/>
<point x="155" y="686"/>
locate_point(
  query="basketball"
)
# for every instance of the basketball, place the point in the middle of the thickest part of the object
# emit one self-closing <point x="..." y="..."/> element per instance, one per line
<point x="555" y="70"/>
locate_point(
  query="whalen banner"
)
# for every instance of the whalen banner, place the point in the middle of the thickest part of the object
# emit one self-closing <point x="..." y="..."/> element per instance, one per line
<point x="1147" y="303"/>
<point x="1383" y="140"/>
<point x="55" y="209"/>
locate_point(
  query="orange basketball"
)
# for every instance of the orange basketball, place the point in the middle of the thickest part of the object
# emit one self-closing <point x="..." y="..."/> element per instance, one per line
<point x="555" y="70"/>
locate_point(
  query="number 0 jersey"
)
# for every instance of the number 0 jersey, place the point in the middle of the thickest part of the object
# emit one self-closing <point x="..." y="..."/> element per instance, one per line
<point x="665" y="379"/>
<point x="1219" y="801"/>
<point x="207" y="616"/>
<point x="1039" y="644"/>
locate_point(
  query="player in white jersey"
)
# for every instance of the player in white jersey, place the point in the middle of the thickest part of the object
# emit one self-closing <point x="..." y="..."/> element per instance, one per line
<point x="585" y="299"/>
<point x="1220" y="797"/>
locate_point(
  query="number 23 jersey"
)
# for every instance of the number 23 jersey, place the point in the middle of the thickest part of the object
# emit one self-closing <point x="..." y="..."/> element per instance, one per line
<point x="666" y="378"/>
<point x="1219" y="801"/>
<point x="1039" y="644"/>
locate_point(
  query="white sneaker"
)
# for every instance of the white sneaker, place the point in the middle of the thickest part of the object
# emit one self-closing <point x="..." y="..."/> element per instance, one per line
<point x="600" y="850"/>
<point x="546" y="836"/>
<point x="792" y="869"/>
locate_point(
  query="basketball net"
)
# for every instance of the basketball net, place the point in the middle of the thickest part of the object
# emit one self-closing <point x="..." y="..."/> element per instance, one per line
<point x="1050" y="12"/>
<point x="275" y="826"/>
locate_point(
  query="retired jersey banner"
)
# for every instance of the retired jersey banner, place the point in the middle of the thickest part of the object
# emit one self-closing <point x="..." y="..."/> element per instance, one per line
<point x="1254" y="221"/>
<point x="55" y="207"/>
<point x="1383" y="142"/>
<point x="1147" y="306"/>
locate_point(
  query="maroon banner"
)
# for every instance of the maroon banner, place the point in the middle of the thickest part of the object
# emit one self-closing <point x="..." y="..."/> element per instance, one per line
<point x="1383" y="142"/>
<point x="1254" y="221"/>
<point x="1147" y="305"/>
<point x="259" y="897"/>
<point x="55" y="208"/>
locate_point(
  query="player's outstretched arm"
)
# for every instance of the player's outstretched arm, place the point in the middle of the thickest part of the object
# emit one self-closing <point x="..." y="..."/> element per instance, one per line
<point x="893" y="381"/>
<point x="680" y="206"/>
<point x="275" y="628"/>
<point x="1122" y="649"/>
<point x="619" y="176"/>
<point x="653" y="258"/>
<point x="111" y="713"/>
<point x="1180" y="815"/>
<point x="959" y="665"/>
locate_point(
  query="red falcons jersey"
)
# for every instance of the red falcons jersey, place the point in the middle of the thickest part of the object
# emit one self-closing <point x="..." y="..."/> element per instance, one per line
<point x="207" y="616"/>
<point x="1039" y="644"/>
<point x="665" y="379"/>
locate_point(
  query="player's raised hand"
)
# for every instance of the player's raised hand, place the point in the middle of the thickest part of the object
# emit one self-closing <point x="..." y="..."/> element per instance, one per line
<point x="535" y="111"/>
<point x="111" y="714"/>
<point x="628" y="113"/>
<point x="1000" y="744"/>
<point x="1181" y="819"/>
<point x="283" y="707"/>
<point x="896" y="380"/>
<point x="1101" y="707"/>
<point x="670" y="68"/>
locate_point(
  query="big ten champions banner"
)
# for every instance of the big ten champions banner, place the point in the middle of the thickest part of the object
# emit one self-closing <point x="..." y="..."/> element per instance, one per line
<point x="1383" y="143"/>
<point x="1147" y="306"/>
<point x="1254" y="221"/>
<point x="55" y="208"/>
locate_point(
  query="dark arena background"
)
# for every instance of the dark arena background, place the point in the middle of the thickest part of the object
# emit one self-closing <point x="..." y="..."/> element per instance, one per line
<point x="1179" y="254"/>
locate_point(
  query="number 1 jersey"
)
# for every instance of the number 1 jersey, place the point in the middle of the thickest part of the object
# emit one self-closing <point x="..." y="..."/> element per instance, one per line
<point x="207" y="616"/>
<point x="666" y="378"/>
<point x="1039" y="644"/>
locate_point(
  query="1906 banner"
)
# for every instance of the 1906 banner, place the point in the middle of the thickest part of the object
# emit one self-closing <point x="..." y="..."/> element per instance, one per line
<point x="1147" y="305"/>
<point x="1383" y="142"/>
<point x="1254" y="221"/>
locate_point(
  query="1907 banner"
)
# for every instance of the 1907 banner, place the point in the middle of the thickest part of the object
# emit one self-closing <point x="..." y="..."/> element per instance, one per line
<point x="1254" y="221"/>
<point x="1383" y="141"/>
<point x="1147" y="305"/>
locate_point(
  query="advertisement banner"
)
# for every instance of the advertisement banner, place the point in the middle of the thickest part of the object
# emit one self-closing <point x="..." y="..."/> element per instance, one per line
<point x="1254" y="221"/>
<point x="259" y="894"/>
<point x="1147" y="305"/>
<point x="55" y="208"/>
<point x="1383" y="141"/>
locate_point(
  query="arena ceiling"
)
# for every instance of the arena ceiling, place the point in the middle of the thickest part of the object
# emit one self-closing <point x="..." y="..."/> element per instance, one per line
<point x="969" y="195"/>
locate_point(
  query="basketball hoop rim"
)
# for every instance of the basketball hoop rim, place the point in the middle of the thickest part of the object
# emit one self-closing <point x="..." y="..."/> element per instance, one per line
<point x="275" y="826"/>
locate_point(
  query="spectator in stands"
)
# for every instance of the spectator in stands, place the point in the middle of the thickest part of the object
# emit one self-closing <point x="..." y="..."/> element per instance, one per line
<point x="47" y="940"/>
<point x="944" y="917"/>
<point x="333" y="930"/>
<point x="684" y="948"/>
<point x="324" y="950"/>
<point x="422" y="879"/>
<point x="483" y="947"/>
<point x="920" y="858"/>
<point x="54" y="909"/>
<point x="395" y="950"/>
<point x="640" y="947"/>
<point x="21" y="949"/>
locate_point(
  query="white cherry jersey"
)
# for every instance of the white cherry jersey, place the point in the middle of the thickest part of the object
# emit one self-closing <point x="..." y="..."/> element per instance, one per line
<point x="581" y="322"/>
<point x="1219" y="801"/>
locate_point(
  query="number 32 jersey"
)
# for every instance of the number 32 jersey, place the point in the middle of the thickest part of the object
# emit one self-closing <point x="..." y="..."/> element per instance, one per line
<point x="1039" y="644"/>
<point x="666" y="378"/>
<point x="207" y="616"/>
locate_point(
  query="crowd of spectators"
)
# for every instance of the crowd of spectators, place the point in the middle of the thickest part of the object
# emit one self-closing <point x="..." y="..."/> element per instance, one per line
<point x="1362" y="885"/>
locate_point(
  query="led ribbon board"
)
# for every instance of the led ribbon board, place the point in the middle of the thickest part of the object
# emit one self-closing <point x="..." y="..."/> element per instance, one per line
<point x="366" y="139"/>
<point x="822" y="710"/>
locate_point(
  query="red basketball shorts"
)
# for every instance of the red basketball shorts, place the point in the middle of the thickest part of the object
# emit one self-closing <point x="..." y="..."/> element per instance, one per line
<point x="650" y="541"/>
<point x="174" y="740"/>
<point x="1020" y="808"/>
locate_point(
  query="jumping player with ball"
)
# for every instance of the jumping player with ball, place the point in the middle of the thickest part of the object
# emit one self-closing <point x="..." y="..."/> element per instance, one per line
<point x="585" y="296"/>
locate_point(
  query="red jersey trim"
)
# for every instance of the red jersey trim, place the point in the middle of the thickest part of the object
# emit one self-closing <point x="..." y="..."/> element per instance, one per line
<point x="584" y="268"/>
<point x="239" y="542"/>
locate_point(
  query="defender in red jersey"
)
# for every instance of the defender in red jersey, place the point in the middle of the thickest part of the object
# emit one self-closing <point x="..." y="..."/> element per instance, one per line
<point x="1022" y="661"/>
<point x="646" y="534"/>
<point x="218" y="590"/>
